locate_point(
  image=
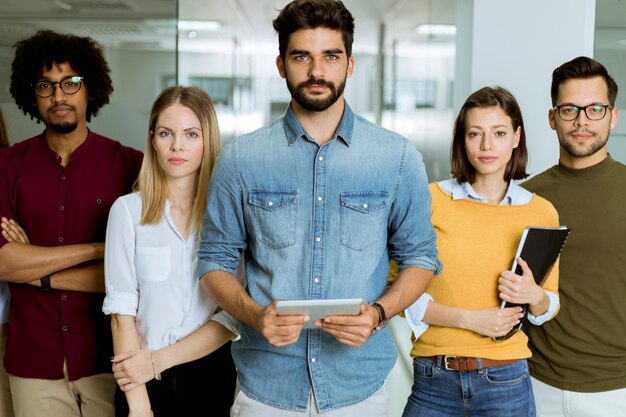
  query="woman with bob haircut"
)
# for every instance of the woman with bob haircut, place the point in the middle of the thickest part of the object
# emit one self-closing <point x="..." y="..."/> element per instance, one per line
<point x="171" y="343"/>
<point x="479" y="216"/>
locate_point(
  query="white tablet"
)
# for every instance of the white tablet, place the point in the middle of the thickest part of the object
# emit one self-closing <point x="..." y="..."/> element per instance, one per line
<point x="318" y="309"/>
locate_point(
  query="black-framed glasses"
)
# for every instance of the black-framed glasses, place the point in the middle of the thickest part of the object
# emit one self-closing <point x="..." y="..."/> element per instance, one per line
<point x="69" y="85"/>
<point x="569" y="112"/>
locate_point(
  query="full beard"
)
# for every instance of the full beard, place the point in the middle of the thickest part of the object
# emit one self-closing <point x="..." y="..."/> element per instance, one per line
<point x="315" y="104"/>
<point x="576" y="150"/>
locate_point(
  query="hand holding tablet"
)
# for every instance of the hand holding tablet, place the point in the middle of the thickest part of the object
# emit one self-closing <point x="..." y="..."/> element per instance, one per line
<point x="318" y="309"/>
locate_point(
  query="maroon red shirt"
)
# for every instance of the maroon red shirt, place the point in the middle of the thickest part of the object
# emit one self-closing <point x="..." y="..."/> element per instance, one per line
<point x="57" y="206"/>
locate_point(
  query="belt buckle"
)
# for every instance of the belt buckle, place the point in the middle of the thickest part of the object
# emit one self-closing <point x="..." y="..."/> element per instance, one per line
<point x="445" y="362"/>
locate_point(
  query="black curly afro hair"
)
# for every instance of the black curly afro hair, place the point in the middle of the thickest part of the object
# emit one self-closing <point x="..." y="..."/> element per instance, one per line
<point x="46" y="48"/>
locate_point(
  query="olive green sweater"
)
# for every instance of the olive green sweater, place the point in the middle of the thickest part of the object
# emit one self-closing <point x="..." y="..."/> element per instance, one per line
<point x="584" y="347"/>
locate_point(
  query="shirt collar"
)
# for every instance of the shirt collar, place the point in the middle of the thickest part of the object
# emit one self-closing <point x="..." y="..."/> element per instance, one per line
<point x="294" y="130"/>
<point x="82" y="148"/>
<point x="465" y="190"/>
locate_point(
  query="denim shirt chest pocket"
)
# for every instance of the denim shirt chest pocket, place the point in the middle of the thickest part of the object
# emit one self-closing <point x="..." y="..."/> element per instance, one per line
<point x="362" y="218"/>
<point x="274" y="216"/>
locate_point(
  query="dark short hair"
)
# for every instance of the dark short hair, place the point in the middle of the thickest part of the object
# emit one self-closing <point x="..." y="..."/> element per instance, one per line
<point x="582" y="67"/>
<point x="311" y="14"/>
<point x="46" y="48"/>
<point x="461" y="168"/>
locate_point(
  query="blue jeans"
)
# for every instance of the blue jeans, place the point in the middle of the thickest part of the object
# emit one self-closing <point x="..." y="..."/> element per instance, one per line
<point x="501" y="391"/>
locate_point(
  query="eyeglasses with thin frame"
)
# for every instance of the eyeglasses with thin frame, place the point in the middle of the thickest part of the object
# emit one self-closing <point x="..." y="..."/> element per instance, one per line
<point x="569" y="112"/>
<point x="69" y="85"/>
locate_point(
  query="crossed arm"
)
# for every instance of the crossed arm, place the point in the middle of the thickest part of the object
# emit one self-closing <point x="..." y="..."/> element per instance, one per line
<point x="73" y="267"/>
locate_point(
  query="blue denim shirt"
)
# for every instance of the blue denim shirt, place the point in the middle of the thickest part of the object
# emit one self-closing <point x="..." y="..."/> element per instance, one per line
<point x="316" y="222"/>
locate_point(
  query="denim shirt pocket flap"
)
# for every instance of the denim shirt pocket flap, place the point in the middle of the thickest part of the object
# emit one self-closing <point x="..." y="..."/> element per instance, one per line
<point x="365" y="202"/>
<point x="274" y="217"/>
<point x="272" y="200"/>
<point x="362" y="218"/>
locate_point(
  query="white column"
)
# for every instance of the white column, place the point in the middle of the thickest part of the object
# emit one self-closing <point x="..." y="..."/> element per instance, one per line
<point x="517" y="44"/>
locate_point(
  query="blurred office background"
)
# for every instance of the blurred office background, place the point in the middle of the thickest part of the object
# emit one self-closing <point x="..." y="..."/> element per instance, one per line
<point x="416" y="62"/>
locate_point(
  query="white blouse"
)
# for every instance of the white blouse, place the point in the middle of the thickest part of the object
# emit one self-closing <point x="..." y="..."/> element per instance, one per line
<point x="150" y="273"/>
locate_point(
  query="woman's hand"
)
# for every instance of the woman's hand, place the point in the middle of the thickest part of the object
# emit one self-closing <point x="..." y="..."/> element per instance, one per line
<point x="494" y="321"/>
<point x="13" y="232"/>
<point x="133" y="368"/>
<point x="520" y="289"/>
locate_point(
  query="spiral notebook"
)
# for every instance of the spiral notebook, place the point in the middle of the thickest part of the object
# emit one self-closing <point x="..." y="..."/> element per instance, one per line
<point x="539" y="247"/>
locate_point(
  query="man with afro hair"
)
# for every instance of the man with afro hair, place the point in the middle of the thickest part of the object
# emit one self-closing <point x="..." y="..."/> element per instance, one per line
<point x="55" y="193"/>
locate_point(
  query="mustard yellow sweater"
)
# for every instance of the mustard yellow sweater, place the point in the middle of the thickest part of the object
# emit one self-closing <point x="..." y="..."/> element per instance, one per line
<point x="476" y="241"/>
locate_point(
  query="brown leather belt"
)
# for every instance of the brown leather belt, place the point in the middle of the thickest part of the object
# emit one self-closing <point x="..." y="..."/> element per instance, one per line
<point x="462" y="363"/>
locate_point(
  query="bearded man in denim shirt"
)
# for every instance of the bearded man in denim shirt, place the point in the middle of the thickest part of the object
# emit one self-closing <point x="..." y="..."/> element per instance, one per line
<point x="318" y="201"/>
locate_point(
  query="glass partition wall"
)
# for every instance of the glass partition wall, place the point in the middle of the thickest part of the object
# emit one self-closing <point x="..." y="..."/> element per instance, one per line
<point x="610" y="49"/>
<point x="139" y="42"/>
<point x="404" y="50"/>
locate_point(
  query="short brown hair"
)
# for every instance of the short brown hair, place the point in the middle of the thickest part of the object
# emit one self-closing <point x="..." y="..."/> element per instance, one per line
<point x="311" y="14"/>
<point x="461" y="168"/>
<point x="582" y="68"/>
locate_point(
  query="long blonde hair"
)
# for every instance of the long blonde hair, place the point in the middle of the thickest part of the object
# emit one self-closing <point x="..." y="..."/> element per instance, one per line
<point x="151" y="183"/>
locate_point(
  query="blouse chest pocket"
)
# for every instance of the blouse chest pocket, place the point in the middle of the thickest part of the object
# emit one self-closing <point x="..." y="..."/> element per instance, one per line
<point x="153" y="264"/>
<point x="362" y="218"/>
<point x="274" y="217"/>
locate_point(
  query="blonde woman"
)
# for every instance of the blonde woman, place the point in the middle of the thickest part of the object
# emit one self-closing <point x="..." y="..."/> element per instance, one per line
<point x="171" y="352"/>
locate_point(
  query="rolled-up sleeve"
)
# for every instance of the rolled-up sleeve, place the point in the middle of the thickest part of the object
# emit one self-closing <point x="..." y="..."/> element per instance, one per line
<point x="229" y="322"/>
<point x="223" y="231"/>
<point x="553" y="307"/>
<point x="122" y="289"/>
<point x="412" y="238"/>
<point x="415" y="314"/>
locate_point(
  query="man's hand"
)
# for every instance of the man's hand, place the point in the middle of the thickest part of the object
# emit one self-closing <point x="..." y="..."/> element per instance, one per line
<point x="279" y="330"/>
<point x="13" y="232"/>
<point x="520" y="289"/>
<point x="351" y="330"/>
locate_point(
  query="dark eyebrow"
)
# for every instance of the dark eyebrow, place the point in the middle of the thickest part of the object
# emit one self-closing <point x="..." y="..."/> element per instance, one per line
<point x="64" y="78"/>
<point x="334" y="51"/>
<point x="299" y="52"/>
<point x="595" y="103"/>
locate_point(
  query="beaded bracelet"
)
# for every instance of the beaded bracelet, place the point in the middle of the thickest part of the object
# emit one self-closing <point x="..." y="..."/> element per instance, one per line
<point x="157" y="375"/>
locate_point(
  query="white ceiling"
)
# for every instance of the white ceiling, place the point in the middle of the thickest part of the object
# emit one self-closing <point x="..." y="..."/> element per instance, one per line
<point x="150" y="24"/>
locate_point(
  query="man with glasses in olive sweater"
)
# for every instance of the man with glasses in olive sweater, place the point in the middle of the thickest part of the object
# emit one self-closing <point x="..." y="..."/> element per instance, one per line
<point x="579" y="358"/>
